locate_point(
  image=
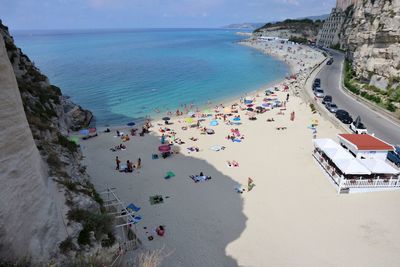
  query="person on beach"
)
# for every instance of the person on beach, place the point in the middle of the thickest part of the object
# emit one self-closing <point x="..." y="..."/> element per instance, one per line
<point x="129" y="166"/>
<point x="117" y="161"/>
<point x="139" y="163"/>
<point x="287" y="98"/>
<point x="160" y="230"/>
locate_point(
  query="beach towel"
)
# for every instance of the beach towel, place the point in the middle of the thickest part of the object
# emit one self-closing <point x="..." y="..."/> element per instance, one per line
<point x="132" y="207"/>
<point x="217" y="148"/>
<point x="169" y="175"/>
<point x="237" y="140"/>
<point x="156" y="199"/>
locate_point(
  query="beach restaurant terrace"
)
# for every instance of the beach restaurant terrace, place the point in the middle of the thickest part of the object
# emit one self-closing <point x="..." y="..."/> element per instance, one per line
<point x="351" y="174"/>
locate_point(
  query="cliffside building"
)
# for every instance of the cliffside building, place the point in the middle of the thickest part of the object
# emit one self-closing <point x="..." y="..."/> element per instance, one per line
<point x="328" y="35"/>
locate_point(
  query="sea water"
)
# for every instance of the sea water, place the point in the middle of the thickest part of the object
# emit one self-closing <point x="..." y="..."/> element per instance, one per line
<point x="125" y="75"/>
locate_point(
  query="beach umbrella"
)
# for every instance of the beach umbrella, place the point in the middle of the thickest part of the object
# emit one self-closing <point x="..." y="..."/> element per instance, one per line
<point x="74" y="139"/>
<point x="164" y="148"/>
<point x="131" y="123"/>
<point x="84" y="132"/>
<point x="214" y="123"/>
<point x="236" y="119"/>
<point x="227" y="110"/>
<point x="259" y="108"/>
<point x="250" y="109"/>
<point x="189" y="120"/>
<point x="92" y="130"/>
<point x="166" y="118"/>
<point x="190" y="114"/>
<point x="265" y="104"/>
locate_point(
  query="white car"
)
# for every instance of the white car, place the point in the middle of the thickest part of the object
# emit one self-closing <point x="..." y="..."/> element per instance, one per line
<point x="319" y="93"/>
<point x="358" y="127"/>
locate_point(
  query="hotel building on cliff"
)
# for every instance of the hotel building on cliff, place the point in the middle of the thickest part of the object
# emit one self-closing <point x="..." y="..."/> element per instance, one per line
<point x="328" y="35"/>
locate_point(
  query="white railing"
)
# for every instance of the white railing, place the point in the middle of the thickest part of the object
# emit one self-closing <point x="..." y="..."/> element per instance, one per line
<point x="357" y="183"/>
<point x="342" y="182"/>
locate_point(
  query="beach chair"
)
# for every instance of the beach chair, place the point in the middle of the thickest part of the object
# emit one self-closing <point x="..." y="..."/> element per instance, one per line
<point x="132" y="207"/>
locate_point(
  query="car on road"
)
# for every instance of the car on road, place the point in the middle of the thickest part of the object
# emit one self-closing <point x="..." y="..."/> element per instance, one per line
<point x="394" y="156"/>
<point x="316" y="86"/>
<point x="332" y="107"/>
<point x="358" y="127"/>
<point x="327" y="99"/>
<point x="343" y="116"/>
<point x="319" y="93"/>
<point x="329" y="62"/>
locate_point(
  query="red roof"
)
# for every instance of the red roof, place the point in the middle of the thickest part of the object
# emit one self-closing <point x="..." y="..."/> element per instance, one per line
<point x="366" y="142"/>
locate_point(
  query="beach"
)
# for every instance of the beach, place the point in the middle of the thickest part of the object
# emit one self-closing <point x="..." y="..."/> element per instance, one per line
<point x="292" y="216"/>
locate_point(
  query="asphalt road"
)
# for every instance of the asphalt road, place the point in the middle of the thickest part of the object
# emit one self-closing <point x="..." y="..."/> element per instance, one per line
<point x="377" y="124"/>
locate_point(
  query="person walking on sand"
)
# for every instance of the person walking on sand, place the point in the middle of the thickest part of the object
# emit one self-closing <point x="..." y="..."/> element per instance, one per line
<point x="117" y="161"/>
<point x="287" y="98"/>
<point x="139" y="163"/>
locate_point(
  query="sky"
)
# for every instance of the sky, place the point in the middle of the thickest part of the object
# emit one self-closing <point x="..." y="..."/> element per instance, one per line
<point x="94" y="14"/>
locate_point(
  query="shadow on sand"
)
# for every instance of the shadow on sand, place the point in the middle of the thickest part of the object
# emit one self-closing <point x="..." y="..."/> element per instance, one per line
<point x="201" y="219"/>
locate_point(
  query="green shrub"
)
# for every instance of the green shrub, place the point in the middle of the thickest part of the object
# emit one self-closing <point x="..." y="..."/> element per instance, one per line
<point x="100" y="224"/>
<point x="66" y="245"/>
<point x="391" y="107"/>
<point x="70" y="145"/>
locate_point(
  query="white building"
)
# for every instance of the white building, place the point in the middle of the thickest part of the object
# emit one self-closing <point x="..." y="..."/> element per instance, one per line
<point x="350" y="174"/>
<point x="365" y="146"/>
<point x="328" y="35"/>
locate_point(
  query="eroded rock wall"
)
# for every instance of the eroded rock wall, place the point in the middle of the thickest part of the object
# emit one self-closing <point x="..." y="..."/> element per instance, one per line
<point x="371" y="34"/>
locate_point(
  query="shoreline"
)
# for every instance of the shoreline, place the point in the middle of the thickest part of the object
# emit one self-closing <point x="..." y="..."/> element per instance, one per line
<point x="226" y="101"/>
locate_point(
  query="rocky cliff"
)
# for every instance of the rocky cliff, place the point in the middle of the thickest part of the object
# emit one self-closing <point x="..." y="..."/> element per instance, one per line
<point x="41" y="178"/>
<point x="297" y="30"/>
<point x="371" y="34"/>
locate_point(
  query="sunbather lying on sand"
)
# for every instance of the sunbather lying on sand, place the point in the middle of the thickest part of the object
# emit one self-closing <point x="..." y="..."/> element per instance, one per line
<point x="281" y="128"/>
<point x="193" y="138"/>
<point x="270" y="120"/>
<point x="200" y="178"/>
<point x="193" y="149"/>
<point x="119" y="147"/>
<point x="233" y="163"/>
<point x="179" y="141"/>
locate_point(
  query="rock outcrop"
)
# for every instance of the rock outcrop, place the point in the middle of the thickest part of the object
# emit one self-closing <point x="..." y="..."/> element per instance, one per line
<point x="303" y="29"/>
<point x="41" y="178"/>
<point x="371" y="35"/>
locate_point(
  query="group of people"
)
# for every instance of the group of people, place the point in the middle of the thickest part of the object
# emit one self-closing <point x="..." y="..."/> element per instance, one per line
<point x="129" y="167"/>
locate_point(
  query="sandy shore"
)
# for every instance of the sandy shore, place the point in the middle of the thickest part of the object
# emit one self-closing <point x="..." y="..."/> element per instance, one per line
<point x="291" y="217"/>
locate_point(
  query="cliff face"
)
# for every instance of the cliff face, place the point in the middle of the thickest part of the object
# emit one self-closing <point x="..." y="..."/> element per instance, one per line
<point x="371" y="34"/>
<point x="41" y="177"/>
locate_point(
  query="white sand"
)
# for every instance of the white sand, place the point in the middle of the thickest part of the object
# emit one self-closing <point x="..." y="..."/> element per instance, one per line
<point x="292" y="217"/>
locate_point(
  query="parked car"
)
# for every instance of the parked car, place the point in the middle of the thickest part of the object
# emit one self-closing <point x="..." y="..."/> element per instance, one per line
<point x="319" y="93"/>
<point x="394" y="156"/>
<point x="332" y="107"/>
<point x="327" y="99"/>
<point x="358" y="127"/>
<point x="317" y="80"/>
<point x="316" y="86"/>
<point x="329" y="62"/>
<point x="343" y="116"/>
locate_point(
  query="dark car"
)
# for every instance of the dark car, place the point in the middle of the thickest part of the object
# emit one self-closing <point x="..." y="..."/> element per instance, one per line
<point x="329" y="62"/>
<point x="327" y="99"/>
<point x="317" y="80"/>
<point x="343" y="116"/>
<point x="394" y="156"/>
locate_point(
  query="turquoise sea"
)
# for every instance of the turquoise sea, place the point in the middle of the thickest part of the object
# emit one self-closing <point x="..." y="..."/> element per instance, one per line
<point x="124" y="75"/>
